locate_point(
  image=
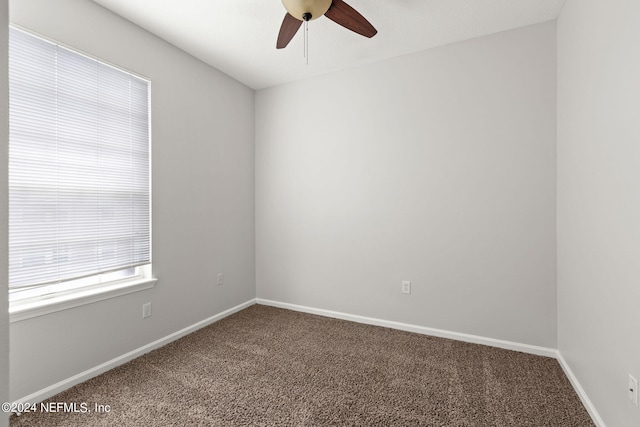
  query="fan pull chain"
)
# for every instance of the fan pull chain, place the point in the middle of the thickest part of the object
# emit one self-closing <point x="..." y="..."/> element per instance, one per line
<point x="306" y="40"/>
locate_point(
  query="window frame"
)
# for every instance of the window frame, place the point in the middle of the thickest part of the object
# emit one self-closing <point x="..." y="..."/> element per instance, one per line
<point x="53" y="297"/>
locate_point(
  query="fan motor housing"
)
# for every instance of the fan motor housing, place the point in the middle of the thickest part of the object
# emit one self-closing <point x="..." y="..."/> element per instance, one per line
<point x="298" y="8"/>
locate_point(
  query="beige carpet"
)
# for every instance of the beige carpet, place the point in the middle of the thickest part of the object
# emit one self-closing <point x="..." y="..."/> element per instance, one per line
<point x="266" y="366"/>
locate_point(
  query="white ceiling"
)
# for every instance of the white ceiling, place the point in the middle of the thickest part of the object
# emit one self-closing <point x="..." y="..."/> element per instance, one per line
<point x="238" y="37"/>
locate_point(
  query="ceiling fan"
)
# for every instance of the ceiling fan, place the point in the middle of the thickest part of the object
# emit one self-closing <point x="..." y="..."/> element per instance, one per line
<point x="299" y="11"/>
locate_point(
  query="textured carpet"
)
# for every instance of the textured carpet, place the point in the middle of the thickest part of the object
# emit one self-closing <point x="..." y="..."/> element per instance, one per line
<point x="266" y="366"/>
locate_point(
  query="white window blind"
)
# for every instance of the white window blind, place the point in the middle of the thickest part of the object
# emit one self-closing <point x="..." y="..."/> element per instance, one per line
<point x="79" y="165"/>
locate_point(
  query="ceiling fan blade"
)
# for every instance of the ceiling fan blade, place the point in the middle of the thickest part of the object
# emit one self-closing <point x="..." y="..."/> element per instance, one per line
<point x="289" y="28"/>
<point x="343" y="14"/>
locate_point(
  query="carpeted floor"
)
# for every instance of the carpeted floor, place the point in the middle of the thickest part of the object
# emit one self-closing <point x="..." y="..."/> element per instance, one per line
<point x="266" y="366"/>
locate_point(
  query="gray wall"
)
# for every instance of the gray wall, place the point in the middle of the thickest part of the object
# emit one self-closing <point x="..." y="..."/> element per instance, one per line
<point x="599" y="200"/>
<point x="4" y="256"/>
<point x="203" y="200"/>
<point x="437" y="167"/>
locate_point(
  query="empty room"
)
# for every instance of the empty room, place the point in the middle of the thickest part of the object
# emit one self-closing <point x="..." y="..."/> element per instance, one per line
<point x="318" y="212"/>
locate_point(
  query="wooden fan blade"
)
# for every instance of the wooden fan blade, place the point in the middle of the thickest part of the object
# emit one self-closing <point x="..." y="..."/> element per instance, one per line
<point x="289" y="28"/>
<point x="343" y="14"/>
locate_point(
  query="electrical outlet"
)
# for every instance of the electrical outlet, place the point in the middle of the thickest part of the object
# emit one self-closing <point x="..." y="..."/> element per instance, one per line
<point x="406" y="287"/>
<point x="633" y="390"/>
<point x="220" y="279"/>
<point x="146" y="310"/>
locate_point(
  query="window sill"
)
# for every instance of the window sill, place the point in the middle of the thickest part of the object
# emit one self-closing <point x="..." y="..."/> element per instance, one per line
<point x="27" y="309"/>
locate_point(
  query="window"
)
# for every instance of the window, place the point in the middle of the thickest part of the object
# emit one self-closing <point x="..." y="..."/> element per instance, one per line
<point x="79" y="172"/>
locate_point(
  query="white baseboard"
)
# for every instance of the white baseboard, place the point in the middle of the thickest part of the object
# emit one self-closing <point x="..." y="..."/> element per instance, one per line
<point x="595" y="416"/>
<point x="458" y="336"/>
<point x="60" y="386"/>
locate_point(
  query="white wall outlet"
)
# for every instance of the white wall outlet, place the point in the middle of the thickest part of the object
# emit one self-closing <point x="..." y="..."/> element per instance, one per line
<point x="406" y="287"/>
<point x="146" y="310"/>
<point x="220" y="280"/>
<point x="633" y="390"/>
